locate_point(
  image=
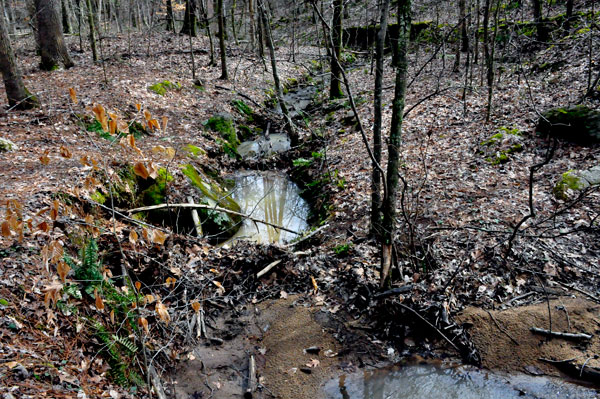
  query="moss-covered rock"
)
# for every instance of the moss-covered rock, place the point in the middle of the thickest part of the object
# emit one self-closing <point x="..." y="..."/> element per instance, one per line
<point x="498" y="148"/>
<point x="573" y="181"/>
<point x="157" y="192"/>
<point x="7" y="145"/>
<point x="161" y="88"/>
<point x="578" y="124"/>
<point x="223" y="124"/>
<point x="215" y="225"/>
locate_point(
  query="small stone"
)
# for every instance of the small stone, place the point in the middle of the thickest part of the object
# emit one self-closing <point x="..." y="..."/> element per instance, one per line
<point x="21" y="372"/>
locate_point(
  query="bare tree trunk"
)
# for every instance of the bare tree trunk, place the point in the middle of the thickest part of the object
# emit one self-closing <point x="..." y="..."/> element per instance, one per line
<point x="335" y="88"/>
<point x="52" y="43"/>
<point x="189" y="19"/>
<point x="293" y="134"/>
<point x="18" y="96"/>
<point x="65" y="17"/>
<point x="462" y="44"/>
<point x="170" y="18"/>
<point x="206" y="23"/>
<point x="90" y="15"/>
<point x="377" y="123"/>
<point x="233" y="28"/>
<point x="252" y="25"/>
<point x="222" y="47"/>
<point x="538" y="19"/>
<point x="393" y="177"/>
<point x="569" y="15"/>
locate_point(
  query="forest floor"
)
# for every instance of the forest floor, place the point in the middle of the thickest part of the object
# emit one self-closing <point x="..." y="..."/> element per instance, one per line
<point x="459" y="209"/>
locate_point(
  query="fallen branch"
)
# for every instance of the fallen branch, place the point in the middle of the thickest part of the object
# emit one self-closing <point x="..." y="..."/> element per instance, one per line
<point x="267" y="268"/>
<point x="589" y="295"/>
<point x="565" y="335"/>
<point x="156" y="384"/>
<point x="306" y="237"/>
<point x="213" y="208"/>
<point x="583" y="372"/>
<point x="394" y="291"/>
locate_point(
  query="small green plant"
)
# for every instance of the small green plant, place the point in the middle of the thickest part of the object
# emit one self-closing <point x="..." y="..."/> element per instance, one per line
<point x="343" y="249"/>
<point x="88" y="271"/>
<point x="302" y="162"/>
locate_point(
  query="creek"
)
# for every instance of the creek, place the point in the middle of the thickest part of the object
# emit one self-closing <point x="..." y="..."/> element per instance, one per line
<point x="429" y="381"/>
<point x="274" y="198"/>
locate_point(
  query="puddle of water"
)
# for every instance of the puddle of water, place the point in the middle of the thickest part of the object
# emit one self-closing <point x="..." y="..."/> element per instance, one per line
<point x="271" y="197"/>
<point x="427" y="381"/>
<point x="264" y="147"/>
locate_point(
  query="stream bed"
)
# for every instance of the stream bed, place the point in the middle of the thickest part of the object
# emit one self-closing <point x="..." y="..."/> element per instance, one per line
<point x="274" y="198"/>
<point x="429" y="381"/>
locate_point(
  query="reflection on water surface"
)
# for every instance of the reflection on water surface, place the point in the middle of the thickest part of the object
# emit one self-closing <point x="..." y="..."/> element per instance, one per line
<point x="271" y="197"/>
<point x="426" y="381"/>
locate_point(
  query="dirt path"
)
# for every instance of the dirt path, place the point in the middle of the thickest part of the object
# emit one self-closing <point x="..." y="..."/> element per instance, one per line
<point x="277" y="332"/>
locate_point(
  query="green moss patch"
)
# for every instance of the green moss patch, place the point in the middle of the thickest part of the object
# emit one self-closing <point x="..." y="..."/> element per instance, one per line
<point x="161" y="88"/>
<point x="224" y="125"/>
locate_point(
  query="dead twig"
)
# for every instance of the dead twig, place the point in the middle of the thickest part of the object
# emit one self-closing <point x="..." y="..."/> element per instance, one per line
<point x="503" y="330"/>
<point x="565" y="335"/>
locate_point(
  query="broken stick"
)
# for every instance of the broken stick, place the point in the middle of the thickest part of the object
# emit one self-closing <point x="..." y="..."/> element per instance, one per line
<point x="565" y="335"/>
<point x="251" y="378"/>
<point x="196" y="219"/>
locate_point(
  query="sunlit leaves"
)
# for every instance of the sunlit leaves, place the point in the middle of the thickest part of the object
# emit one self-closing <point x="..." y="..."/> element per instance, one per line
<point x="101" y="116"/>
<point x="65" y="152"/>
<point x="44" y="158"/>
<point x="162" y="312"/>
<point x="196" y="306"/>
<point x="170" y="282"/>
<point x="73" y="95"/>
<point x="143" y="322"/>
<point x="158" y="237"/>
<point x="62" y="269"/>
<point x="98" y="300"/>
<point x="140" y="170"/>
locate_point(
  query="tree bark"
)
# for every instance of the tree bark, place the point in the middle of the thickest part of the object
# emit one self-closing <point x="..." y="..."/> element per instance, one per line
<point x="538" y="19"/>
<point x="18" y="96"/>
<point x="53" y="49"/>
<point x="222" y="47"/>
<point x="335" y="88"/>
<point x="393" y="176"/>
<point x="65" y="17"/>
<point x="377" y="123"/>
<point x="189" y="19"/>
